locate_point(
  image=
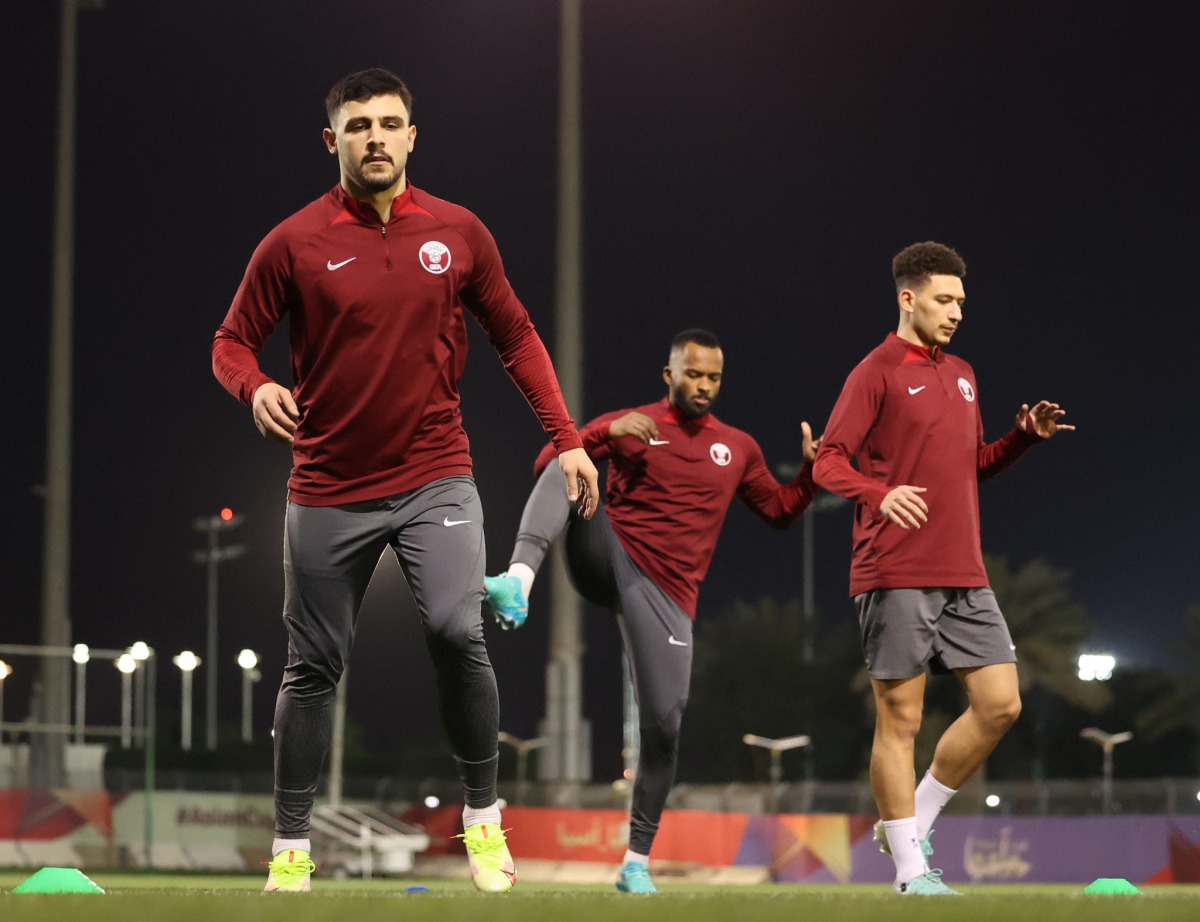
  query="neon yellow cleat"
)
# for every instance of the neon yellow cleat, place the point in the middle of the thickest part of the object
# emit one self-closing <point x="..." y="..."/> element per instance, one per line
<point x="290" y="872"/>
<point x="492" y="867"/>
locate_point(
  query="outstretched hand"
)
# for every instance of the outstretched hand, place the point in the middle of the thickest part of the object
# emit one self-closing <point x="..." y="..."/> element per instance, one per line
<point x="811" y="445"/>
<point x="583" y="481"/>
<point x="1043" y="419"/>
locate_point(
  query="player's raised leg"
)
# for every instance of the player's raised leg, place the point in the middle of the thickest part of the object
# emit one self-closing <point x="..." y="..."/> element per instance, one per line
<point x="545" y="516"/>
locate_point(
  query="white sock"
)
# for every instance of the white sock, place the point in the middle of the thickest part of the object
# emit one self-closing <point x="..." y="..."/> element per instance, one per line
<point x="932" y="796"/>
<point x="282" y="845"/>
<point x="906" y="848"/>
<point x="473" y="816"/>
<point x="523" y="573"/>
<point x="643" y="860"/>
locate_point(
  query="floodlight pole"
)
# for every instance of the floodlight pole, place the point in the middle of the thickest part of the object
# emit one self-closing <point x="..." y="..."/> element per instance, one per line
<point x="212" y="557"/>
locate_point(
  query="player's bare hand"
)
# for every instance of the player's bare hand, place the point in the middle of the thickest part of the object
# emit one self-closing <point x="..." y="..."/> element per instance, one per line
<point x="583" y="481"/>
<point x="275" y="413"/>
<point x="811" y="445"/>
<point x="904" y="507"/>
<point x="639" y="425"/>
<point x="1043" y="419"/>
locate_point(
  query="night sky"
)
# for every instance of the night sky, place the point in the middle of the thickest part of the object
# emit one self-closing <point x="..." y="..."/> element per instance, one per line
<point x="751" y="166"/>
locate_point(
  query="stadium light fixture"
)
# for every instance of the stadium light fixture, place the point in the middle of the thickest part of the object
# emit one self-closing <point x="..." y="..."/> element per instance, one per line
<point x="992" y="800"/>
<point x="1096" y="667"/>
<point x="432" y="802"/>
<point x="1107" y="742"/>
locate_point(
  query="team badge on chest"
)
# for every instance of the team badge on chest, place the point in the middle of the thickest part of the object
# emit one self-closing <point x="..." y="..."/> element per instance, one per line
<point x="964" y="388"/>
<point x="720" y="453"/>
<point x="435" y="257"/>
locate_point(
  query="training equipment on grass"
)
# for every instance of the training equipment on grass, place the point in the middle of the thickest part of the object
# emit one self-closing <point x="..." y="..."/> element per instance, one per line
<point x="58" y="880"/>
<point x="1111" y="886"/>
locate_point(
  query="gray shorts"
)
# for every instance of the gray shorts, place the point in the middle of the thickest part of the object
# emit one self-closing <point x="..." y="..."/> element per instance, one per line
<point x="905" y="630"/>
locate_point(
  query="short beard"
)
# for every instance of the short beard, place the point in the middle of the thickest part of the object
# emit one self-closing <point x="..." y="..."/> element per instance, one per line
<point x="376" y="184"/>
<point x="691" y="412"/>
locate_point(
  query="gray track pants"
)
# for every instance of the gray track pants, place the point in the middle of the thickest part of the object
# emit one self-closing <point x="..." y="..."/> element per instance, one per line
<point x="656" y="633"/>
<point x="329" y="556"/>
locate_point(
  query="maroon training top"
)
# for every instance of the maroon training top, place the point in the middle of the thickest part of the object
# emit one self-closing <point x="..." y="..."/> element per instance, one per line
<point x="667" y="501"/>
<point x="379" y="340"/>
<point x="910" y="415"/>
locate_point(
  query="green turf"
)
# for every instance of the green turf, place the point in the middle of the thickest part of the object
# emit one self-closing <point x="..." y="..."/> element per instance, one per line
<point x="232" y="899"/>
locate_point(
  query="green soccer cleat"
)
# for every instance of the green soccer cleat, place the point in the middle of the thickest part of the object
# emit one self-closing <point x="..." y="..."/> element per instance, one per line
<point x="886" y="848"/>
<point x="506" y="599"/>
<point x="635" y="878"/>
<point x="492" y="868"/>
<point x="290" y="872"/>
<point x="928" y="884"/>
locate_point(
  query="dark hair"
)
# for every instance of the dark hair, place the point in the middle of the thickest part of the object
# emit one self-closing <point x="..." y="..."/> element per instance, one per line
<point x="915" y="264"/>
<point x="367" y="84"/>
<point x="697" y="336"/>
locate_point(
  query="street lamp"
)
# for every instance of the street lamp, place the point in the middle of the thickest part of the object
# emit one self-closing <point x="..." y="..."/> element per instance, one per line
<point x="248" y="660"/>
<point x="777" y="748"/>
<point x="187" y="661"/>
<point x="126" y="664"/>
<point x="5" y="672"/>
<point x="140" y="652"/>
<point x="523" y="748"/>
<point x="1108" y="742"/>
<point x="80" y="654"/>
<point x="212" y="556"/>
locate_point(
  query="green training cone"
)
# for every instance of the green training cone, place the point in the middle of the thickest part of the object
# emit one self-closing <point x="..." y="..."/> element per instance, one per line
<point x="58" y="880"/>
<point x="1111" y="886"/>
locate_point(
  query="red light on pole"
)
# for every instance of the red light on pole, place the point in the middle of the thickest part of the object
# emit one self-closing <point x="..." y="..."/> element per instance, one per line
<point x="226" y="514"/>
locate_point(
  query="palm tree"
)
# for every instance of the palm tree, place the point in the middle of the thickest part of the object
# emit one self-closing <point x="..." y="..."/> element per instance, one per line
<point x="1180" y="707"/>
<point x="1049" y="630"/>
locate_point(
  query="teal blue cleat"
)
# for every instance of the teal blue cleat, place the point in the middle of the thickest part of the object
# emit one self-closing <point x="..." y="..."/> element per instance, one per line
<point x="506" y="599"/>
<point x="635" y="878"/>
<point x="928" y="884"/>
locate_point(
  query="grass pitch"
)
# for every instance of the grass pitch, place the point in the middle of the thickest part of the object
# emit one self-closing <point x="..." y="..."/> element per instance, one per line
<point x="226" y="899"/>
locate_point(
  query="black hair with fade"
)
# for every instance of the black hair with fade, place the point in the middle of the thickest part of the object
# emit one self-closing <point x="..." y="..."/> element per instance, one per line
<point x="913" y="265"/>
<point x="699" y="337"/>
<point x="367" y="84"/>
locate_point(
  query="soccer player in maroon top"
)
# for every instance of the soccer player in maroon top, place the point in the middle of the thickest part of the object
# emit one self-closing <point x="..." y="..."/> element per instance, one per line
<point x="909" y="416"/>
<point x="373" y="278"/>
<point x="674" y="469"/>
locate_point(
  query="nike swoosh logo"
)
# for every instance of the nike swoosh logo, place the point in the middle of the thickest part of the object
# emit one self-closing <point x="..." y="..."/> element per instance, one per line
<point x="917" y="390"/>
<point x="675" y="643"/>
<point x="660" y="441"/>
<point x="333" y="267"/>
<point x="450" y="523"/>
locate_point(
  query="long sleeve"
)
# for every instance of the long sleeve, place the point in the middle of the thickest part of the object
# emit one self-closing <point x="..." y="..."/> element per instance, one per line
<point x="776" y="504"/>
<point x="853" y="416"/>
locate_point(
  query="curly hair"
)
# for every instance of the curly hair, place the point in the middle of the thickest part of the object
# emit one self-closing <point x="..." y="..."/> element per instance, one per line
<point x="367" y="84"/>
<point x="913" y="265"/>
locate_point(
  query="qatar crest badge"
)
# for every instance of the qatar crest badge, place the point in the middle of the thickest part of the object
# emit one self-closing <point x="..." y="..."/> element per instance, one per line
<point x="435" y="257"/>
